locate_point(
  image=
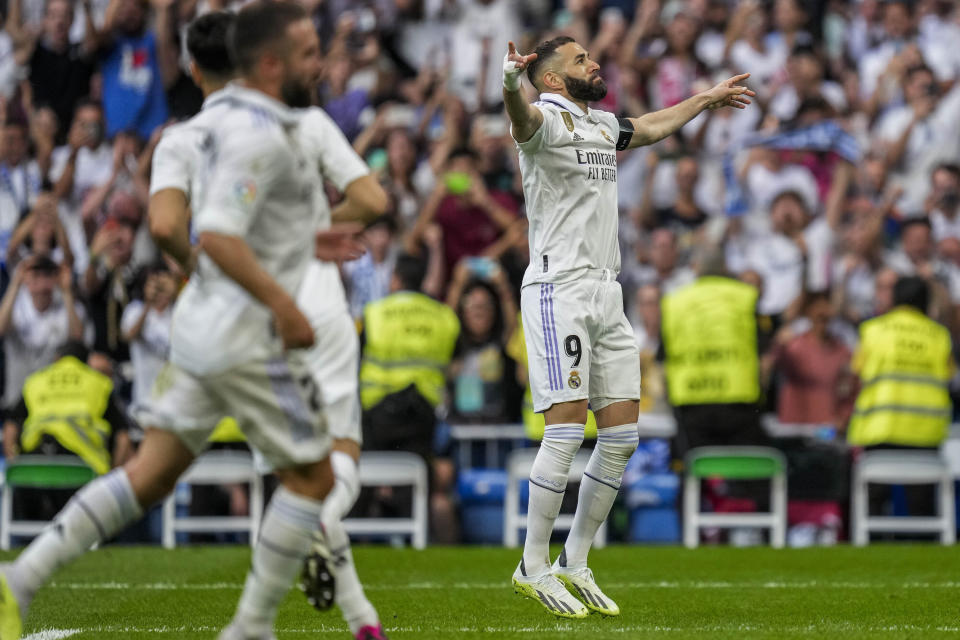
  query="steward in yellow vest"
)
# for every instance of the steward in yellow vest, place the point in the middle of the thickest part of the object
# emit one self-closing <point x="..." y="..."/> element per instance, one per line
<point x="904" y="362"/>
<point x="68" y="408"/>
<point x="712" y="368"/>
<point x="409" y="340"/>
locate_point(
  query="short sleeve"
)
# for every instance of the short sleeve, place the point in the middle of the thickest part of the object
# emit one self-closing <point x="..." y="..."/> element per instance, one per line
<point x="131" y="313"/>
<point x="171" y="168"/>
<point x="245" y="172"/>
<point x="339" y="163"/>
<point x="546" y="135"/>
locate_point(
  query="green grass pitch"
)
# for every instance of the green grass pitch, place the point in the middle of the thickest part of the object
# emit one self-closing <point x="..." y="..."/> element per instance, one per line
<point x="905" y="591"/>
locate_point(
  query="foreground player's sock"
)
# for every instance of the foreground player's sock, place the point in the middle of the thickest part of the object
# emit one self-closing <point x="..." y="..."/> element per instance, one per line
<point x="94" y="514"/>
<point x="285" y="537"/>
<point x="548" y="481"/>
<point x="357" y="610"/>
<point x="599" y="487"/>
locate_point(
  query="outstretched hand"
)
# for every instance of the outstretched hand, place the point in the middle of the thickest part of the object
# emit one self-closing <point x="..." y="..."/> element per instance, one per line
<point x="730" y="94"/>
<point x="520" y="61"/>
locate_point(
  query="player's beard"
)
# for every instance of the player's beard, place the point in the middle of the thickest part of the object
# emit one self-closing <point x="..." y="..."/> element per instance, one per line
<point x="586" y="90"/>
<point x="296" y="95"/>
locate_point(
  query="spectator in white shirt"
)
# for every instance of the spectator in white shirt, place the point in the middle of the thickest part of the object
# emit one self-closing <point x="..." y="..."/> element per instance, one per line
<point x="145" y="326"/>
<point x="20" y="176"/>
<point x="917" y="257"/>
<point x="663" y="268"/>
<point x="35" y="322"/>
<point x="805" y="81"/>
<point x="943" y="203"/>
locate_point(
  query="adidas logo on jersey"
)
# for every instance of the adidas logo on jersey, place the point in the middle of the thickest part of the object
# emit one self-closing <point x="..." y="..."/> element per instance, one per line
<point x="577" y="137"/>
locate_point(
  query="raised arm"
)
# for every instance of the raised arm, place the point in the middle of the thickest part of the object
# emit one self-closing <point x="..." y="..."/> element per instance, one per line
<point x="524" y="117"/>
<point x="657" y="125"/>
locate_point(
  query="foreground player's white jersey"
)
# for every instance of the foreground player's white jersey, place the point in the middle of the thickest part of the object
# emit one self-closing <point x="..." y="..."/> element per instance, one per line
<point x="569" y="170"/>
<point x="258" y="184"/>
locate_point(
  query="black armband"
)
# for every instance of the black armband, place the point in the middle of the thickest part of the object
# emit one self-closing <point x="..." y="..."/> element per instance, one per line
<point x="626" y="133"/>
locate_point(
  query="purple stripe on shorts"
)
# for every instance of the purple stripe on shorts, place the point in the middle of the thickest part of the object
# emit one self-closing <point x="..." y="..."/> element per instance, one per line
<point x="546" y="340"/>
<point x="553" y="334"/>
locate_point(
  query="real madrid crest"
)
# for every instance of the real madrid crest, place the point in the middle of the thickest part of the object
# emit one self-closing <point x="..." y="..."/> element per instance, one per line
<point x="574" y="380"/>
<point x="567" y="120"/>
<point x="603" y="132"/>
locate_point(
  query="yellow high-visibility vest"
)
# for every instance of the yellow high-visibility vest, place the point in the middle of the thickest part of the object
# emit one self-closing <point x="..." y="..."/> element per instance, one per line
<point x="409" y="339"/>
<point x="227" y="430"/>
<point x="710" y="337"/>
<point x="905" y="365"/>
<point x="67" y="400"/>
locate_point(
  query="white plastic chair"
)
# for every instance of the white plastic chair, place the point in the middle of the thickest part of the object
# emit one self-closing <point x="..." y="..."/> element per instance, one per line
<point x="519" y="464"/>
<point x="216" y="467"/>
<point x="735" y="463"/>
<point x="901" y="467"/>
<point x="395" y="469"/>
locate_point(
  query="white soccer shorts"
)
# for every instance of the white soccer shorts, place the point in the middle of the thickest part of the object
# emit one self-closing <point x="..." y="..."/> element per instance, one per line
<point x="579" y="342"/>
<point x="276" y="403"/>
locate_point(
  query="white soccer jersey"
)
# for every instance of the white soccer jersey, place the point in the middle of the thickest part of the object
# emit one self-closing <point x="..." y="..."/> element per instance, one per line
<point x="569" y="170"/>
<point x="260" y="186"/>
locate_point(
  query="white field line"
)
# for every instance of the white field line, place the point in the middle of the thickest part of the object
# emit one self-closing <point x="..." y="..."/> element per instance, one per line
<point x="414" y="586"/>
<point x="57" y="634"/>
<point x="52" y="634"/>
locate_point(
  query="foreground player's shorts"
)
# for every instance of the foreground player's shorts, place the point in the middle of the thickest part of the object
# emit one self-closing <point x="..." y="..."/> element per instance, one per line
<point x="579" y="342"/>
<point x="276" y="404"/>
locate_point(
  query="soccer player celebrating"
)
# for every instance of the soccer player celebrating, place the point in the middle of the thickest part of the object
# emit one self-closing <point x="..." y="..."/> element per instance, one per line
<point x="581" y="346"/>
<point x="238" y="337"/>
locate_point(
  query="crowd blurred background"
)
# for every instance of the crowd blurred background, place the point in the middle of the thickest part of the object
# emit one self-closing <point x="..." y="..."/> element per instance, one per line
<point x="841" y="177"/>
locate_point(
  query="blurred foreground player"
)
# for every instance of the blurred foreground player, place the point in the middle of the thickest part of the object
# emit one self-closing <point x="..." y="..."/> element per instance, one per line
<point x="238" y="339"/>
<point x="177" y="181"/>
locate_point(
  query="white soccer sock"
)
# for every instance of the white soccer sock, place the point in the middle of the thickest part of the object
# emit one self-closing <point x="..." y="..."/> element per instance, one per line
<point x="599" y="487"/>
<point x="94" y="514"/>
<point x="548" y="482"/>
<point x="285" y="539"/>
<point x="356" y="608"/>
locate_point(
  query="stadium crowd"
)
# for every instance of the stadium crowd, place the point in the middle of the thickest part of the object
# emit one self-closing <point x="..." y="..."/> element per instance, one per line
<point x="842" y="177"/>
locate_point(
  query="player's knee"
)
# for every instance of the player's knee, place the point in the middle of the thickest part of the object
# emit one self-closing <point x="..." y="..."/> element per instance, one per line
<point x="563" y="440"/>
<point x="314" y="480"/>
<point x="618" y="446"/>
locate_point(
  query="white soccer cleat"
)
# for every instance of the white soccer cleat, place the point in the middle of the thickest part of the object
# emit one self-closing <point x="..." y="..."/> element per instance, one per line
<point x="581" y="584"/>
<point x="549" y="592"/>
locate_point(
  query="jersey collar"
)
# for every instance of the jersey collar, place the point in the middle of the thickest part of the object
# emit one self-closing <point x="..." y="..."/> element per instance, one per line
<point x="563" y="103"/>
<point x="234" y="92"/>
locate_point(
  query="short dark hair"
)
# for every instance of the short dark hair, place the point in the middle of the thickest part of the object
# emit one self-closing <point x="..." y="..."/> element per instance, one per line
<point x="919" y="221"/>
<point x="545" y="51"/>
<point x="411" y="271"/>
<point x="950" y="167"/>
<point x="911" y="291"/>
<point x="462" y="152"/>
<point x="87" y="103"/>
<point x="792" y="194"/>
<point x="207" y="42"/>
<point x="258" y="25"/>
<point x="74" y="348"/>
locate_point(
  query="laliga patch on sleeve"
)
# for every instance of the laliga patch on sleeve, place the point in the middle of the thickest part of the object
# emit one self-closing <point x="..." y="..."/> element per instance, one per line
<point x="245" y="191"/>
